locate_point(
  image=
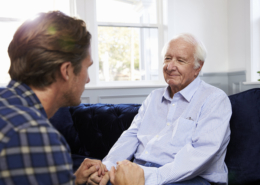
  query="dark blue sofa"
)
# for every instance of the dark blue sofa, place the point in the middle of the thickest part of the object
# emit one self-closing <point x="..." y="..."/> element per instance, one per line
<point x="92" y="129"/>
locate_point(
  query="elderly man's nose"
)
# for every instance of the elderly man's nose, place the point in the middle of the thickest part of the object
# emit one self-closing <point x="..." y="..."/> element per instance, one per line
<point x="171" y="66"/>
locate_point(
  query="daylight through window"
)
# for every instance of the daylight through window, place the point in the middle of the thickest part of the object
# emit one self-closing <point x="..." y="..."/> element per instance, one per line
<point x="127" y="40"/>
<point x="12" y="14"/>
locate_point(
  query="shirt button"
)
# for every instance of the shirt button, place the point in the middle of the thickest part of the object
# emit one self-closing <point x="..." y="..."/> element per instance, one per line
<point x="173" y="104"/>
<point x="146" y="152"/>
<point x="168" y="124"/>
<point x="157" y="136"/>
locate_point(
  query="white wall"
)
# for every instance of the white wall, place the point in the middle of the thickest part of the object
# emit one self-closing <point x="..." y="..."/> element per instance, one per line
<point x="223" y="26"/>
<point x="206" y="19"/>
<point x="238" y="34"/>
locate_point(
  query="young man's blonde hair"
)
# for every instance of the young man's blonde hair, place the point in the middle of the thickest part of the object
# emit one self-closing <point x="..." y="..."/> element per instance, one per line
<point x="40" y="46"/>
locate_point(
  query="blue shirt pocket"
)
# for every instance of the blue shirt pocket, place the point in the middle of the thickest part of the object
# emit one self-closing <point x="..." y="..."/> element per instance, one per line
<point x="182" y="132"/>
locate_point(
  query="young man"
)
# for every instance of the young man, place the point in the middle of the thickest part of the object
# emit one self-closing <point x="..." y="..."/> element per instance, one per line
<point x="50" y="57"/>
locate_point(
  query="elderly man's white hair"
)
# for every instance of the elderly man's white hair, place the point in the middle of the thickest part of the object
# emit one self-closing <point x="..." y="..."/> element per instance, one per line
<point x="200" y="50"/>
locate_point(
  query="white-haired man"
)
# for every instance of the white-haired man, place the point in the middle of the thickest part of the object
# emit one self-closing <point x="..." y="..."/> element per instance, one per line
<point x="181" y="132"/>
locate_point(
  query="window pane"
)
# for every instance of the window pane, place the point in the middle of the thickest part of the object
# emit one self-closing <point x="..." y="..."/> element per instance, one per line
<point x="255" y="40"/>
<point x="127" y="11"/>
<point x="127" y="54"/>
<point x="24" y="9"/>
<point x="20" y="10"/>
<point x="7" y="31"/>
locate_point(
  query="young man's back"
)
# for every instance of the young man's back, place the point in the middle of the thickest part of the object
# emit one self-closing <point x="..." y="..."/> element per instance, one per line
<point x="31" y="149"/>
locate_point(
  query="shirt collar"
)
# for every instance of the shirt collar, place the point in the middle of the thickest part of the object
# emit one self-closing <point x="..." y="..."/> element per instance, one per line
<point x="190" y="90"/>
<point x="166" y="94"/>
<point x="187" y="92"/>
<point x="27" y="93"/>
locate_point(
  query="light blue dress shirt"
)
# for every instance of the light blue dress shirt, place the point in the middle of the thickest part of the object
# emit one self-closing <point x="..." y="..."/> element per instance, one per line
<point x="187" y="134"/>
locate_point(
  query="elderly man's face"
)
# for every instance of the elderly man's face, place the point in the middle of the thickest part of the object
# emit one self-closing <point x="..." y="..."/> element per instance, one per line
<point x="178" y="65"/>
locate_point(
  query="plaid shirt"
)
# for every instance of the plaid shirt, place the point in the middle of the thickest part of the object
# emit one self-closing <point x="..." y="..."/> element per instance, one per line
<point x="32" y="151"/>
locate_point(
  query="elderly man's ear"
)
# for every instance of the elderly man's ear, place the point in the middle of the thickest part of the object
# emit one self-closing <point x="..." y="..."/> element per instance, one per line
<point x="199" y="68"/>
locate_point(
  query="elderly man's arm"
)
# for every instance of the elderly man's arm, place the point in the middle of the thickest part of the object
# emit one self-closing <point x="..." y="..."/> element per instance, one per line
<point x="127" y="173"/>
<point x="128" y="142"/>
<point x="209" y="142"/>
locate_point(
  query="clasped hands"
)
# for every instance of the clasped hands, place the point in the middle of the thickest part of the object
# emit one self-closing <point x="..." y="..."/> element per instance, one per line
<point x="93" y="172"/>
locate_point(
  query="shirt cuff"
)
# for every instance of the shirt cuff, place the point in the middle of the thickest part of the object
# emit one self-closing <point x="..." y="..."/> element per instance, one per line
<point x="150" y="175"/>
<point x="108" y="164"/>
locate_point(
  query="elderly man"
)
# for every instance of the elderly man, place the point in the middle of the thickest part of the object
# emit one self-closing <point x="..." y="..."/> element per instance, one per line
<point x="50" y="57"/>
<point x="180" y="134"/>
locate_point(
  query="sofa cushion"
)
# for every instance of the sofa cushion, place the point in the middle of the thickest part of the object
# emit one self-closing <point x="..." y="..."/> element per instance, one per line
<point x="243" y="153"/>
<point x="100" y="125"/>
<point x="62" y="121"/>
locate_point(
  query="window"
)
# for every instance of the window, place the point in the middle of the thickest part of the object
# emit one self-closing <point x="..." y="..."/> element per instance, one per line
<point x="12" y="14"/>
<point x="128" y="34"/>
<point x="255" y="39"/>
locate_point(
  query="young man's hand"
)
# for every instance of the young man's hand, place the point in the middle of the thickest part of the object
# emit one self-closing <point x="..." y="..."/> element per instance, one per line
<point x="87" y="168"/>
<point x="127" y="173"/>
<point x="95" y="179"/>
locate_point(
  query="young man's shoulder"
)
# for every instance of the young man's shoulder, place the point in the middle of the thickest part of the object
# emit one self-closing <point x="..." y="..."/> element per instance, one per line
<point x="27" y="140"/>
<point x="17" y="114"/>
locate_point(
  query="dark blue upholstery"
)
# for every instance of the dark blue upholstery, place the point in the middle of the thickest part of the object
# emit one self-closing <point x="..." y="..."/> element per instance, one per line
<point x="100" y="125"/>
<point x="243" y="153"/>
<point x="62" y="121"/>
<point x="92" y="129"/>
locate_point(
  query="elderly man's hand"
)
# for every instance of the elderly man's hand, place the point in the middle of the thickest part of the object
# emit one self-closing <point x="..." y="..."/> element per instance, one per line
<point x="87" y="168"/>
<point x="127" y="173"/>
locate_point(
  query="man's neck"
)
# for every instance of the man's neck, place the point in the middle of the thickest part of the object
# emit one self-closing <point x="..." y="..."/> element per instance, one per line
<point x="49" y="98"/>
<point x="172" y="91"/>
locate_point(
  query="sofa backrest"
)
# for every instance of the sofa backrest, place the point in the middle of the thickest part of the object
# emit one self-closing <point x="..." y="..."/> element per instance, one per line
<point x="100" y="125"/>
<point x="92" y="129"/>
<point x="243" y="152"/>
<point x="62" y="121"/>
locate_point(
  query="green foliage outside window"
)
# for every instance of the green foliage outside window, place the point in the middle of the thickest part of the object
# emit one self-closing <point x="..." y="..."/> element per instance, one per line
<point x="118" y="45"/>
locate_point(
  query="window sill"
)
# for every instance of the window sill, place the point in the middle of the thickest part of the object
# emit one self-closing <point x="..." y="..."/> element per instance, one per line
<point x="115" y="86"/>
<point x="129" y="86"/>
<point x="251" y="83"/>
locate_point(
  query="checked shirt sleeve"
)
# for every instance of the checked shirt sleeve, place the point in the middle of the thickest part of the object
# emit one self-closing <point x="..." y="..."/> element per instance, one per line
<point x="36" y="155"/>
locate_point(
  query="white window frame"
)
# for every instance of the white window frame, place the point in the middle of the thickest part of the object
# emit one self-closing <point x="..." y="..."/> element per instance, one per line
<point x="11" y="19"/>
<point x="7" y="19"/>
<point x="254" y="48"/>
<point x="86" y="10"/>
